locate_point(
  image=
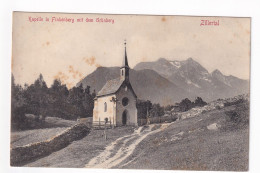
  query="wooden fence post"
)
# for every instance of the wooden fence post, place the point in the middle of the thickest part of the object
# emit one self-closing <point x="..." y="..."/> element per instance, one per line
<point x="105" y="134"/>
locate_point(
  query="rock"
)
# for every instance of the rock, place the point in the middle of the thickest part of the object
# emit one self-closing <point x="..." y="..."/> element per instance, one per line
<point x="213" y="126"/>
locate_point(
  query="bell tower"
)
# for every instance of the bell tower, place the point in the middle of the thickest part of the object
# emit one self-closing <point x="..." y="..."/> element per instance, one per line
<point x="124" y="69"/>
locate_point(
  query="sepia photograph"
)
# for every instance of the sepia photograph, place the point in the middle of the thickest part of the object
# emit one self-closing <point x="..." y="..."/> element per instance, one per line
<point x="128" y="91"/>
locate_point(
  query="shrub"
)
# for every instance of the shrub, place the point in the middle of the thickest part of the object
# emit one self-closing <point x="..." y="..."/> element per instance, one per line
<point x="186" y="104"/>
<point x="218" y="107"/>
<point x="199" y="102"/>
<point x="174" y="117"/>
<point x="204" y="111"/>
<point x="235" y="102"/>
<point x="239" y="117"/>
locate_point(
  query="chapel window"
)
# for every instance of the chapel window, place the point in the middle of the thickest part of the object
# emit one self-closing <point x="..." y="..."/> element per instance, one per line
<point x="125" y="101"/>
<point x="105" y="107"/>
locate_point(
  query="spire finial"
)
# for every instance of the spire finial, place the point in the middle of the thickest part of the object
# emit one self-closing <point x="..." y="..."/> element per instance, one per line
<point x="125" y="43"/>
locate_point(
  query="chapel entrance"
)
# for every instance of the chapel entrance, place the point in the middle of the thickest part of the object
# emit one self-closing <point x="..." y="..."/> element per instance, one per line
<point x="124" y="117"/>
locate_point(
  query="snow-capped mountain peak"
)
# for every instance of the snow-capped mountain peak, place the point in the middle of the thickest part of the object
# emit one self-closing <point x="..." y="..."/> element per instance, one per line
<point x="176" y="64"/>
<point x="194" y="78"/>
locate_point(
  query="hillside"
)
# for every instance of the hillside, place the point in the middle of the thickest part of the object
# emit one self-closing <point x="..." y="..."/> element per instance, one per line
<point x="216" y="138"/>
<point x="21" y="138"/>
<point x="208" y="141"/>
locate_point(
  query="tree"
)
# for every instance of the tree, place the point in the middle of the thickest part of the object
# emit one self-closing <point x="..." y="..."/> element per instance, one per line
<point x="88" y="102"/>
<point x="87" y="90"/>
<point x="199" y="102"/>
<point x="39" y="83"/>
<point x="157" y="110"/>
<point x="58" y="100"/>
<point x="82" y="101"/>
<point x="18" y="108"/>
<point x="185" y="105"/>
<point x="168" y="107"/>
<point x="36" y="97"/>
<point x="94" y="94"/>
<point x="40" y="101"/>
<point x="143" y="108"/>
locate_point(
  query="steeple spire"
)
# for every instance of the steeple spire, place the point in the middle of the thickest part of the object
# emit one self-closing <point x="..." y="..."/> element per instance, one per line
<point x="124" y="70"/>
<point x="125" y="62"/>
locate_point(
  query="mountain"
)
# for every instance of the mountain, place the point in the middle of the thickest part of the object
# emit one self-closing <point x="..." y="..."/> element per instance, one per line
<point x="147" y="84"/>
<point x="162" y="66"/>
<point x="196" y="80"/>
<point x="167" y="82"/>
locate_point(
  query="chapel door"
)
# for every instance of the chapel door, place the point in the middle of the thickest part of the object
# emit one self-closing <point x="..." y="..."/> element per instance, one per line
<point x="124" y="117"/>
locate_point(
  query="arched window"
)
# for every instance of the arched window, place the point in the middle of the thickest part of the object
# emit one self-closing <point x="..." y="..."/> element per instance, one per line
<point x="105" y="106"/>
<point x="122" y="72"/>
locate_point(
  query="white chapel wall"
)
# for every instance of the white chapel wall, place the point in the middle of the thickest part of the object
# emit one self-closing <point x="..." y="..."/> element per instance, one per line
<point x="99" y="112"/>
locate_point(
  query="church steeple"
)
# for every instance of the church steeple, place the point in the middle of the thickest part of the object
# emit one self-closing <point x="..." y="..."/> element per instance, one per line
<point x="125" y="62"/>
<point x="124" y="70"/>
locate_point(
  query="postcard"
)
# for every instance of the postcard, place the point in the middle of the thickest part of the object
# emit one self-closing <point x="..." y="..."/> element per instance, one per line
<point x="157" y="92"/>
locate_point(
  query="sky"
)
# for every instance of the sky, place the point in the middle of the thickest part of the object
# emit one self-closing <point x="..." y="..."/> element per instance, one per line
<point x="70" y="50"/>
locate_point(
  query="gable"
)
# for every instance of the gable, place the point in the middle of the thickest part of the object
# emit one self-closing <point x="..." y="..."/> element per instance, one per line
<point x="129" y="88"/>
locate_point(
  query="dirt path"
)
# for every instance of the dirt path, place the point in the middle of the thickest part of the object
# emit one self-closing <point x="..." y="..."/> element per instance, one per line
<point x="118" y="151"/>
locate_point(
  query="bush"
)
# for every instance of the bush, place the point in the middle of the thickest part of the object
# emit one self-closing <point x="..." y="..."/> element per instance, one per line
<point x="199" y="102"/>
<point x="234" y="102"/>
<point x="239" y="117"/>
<point x="233" y="116"/>
<point x="186" y="104"/>
<point x="174" y="117"/>
<point x="218" y="107"/>
<point x="204" y="111"/>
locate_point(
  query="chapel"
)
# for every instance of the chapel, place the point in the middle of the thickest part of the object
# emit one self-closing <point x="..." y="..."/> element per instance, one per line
<point x="116" y="101"/>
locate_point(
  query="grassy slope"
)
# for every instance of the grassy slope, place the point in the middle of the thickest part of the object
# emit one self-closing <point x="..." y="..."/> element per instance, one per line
<point x="187" y="144"/>
<point x="54" y="126"/>
<point x="25" y="137"/>
<point x="190" y="145"/>
<point x="80" y="152"/>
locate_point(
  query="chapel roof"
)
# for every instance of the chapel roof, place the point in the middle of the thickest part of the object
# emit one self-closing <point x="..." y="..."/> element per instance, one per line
<point x="110" y="87"/>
